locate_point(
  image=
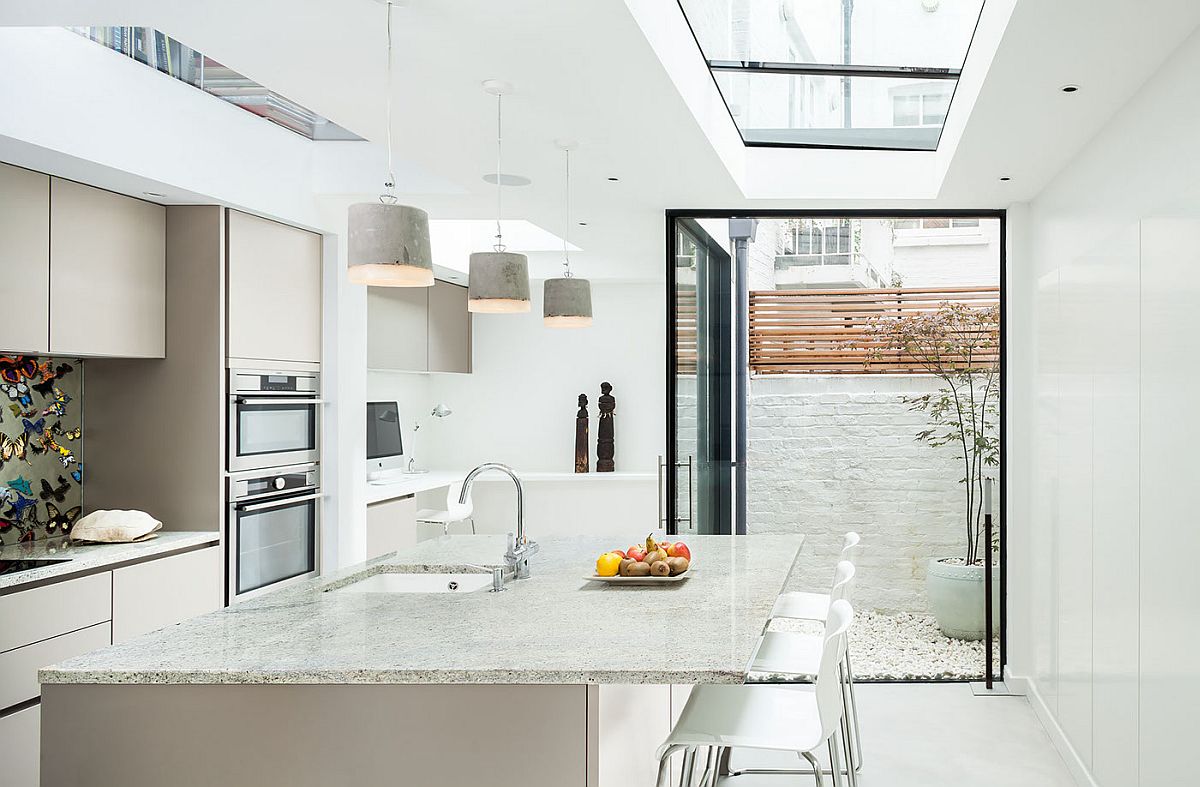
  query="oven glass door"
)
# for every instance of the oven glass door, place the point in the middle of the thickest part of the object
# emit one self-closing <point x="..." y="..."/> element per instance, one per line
<point x="272" y="433"/>
<point x="273" y="541"/>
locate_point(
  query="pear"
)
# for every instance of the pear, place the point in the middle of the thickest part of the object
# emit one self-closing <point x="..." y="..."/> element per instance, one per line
<point x="654" y="557"/>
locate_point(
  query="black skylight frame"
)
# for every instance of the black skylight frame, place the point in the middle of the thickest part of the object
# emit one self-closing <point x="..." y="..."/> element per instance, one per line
<point x="716" y="66"/>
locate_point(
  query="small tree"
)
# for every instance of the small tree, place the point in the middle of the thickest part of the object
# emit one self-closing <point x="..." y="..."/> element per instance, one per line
<point x="960" y="345"/>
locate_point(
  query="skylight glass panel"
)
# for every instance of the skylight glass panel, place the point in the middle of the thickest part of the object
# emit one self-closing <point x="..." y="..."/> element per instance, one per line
<point x="165" y="54"/>
<point x="836" y="73"/>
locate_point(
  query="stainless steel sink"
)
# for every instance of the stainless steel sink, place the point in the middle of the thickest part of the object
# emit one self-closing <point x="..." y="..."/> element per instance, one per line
<point x="419" y="583"/>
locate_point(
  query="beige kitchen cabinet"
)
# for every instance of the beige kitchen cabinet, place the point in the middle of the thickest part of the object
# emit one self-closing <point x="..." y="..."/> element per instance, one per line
<point x="449" y="329"/>
<point x="21" y="733"/>
<point x="274" y="290"/>
<point x="391" y="525"/>
<point x="419" y="329"/>
<point x="107" y="273"/>
<point x="157" y="593"/>
<point x="62" y="607"/>
<point x="25" y="258"/>
<point x="19" y="666"/>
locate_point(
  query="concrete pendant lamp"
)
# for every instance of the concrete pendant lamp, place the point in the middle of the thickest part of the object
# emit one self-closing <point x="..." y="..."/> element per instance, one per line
<point x="498" y="280"/>
<point x="389" y="243"/>
<point x="567" y="301"/>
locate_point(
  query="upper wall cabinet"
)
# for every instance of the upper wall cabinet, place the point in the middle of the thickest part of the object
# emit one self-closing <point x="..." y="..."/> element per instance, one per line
<point x="274" y="281"/>
<point x="419" y="329"/>
<point x="107" y="273"/>
<point x="25" y="258"/>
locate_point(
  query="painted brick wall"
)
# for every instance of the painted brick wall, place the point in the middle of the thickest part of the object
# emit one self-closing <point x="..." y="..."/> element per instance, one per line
<point x="830" y="454"/>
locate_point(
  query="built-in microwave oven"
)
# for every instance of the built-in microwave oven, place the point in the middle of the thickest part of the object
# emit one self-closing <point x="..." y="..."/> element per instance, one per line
<point x="274" y="418"/>
<point x="273" y="529"/>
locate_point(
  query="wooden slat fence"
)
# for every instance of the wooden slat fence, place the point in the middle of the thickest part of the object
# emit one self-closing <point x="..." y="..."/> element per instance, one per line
<point x="824" y="331"/>
<point x="686" y="344"/>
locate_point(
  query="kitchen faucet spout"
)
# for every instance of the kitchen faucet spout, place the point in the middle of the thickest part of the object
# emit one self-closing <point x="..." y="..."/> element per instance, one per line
<point x="520" y="548"/>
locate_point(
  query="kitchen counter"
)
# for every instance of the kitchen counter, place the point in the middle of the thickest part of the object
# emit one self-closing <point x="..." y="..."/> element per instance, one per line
<point x="91" y="558"/>
<point x="554" y="628"/>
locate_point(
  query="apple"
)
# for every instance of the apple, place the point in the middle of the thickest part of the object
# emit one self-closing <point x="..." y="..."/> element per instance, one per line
<point x="620" y="553"/>
<point x="680" y="549"/>
<point x="666" y="546"/>
<point x="636" y="552"/>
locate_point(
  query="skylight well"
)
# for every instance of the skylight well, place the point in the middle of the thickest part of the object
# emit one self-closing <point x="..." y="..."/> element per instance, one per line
<point x="178" y="60"/>
<point x="867" y="74"/>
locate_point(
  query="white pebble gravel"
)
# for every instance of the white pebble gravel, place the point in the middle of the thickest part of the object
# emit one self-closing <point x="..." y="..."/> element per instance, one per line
<point x="902" y="646"/>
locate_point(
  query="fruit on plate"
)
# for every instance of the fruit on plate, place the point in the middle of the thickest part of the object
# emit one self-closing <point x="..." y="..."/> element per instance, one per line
<point x="665" y="546"/>
<point x="636" y="552"/>
<point x="678" y="565"/>
<point x="619" y="554"/>
<point x="679" y="549"/>
<point x="607" y="565"/>
<point x="623" y="569"/>
<point x="656" y="556"/>
<point x="639" y="570"/>
<point x="660" y="569"/>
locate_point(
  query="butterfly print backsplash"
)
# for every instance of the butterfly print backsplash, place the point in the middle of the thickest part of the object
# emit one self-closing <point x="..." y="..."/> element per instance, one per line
<point x="41" y="447"/>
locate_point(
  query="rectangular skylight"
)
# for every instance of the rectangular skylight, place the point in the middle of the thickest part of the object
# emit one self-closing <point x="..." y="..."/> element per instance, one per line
<point x="161" y="52"/>
<point x="874" y="74"/>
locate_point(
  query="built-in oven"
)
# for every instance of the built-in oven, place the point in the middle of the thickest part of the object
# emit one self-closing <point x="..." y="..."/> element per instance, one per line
<point x="273" y="529"/>
<point x="274" y="418"/>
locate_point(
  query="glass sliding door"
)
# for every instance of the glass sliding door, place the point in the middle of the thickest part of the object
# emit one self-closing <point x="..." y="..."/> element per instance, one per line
<point x="701" y="380"/>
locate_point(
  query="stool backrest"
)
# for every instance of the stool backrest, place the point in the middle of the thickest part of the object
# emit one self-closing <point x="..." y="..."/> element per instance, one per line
<point x="850" y="547"/>
<point x="843" y="581"/>
<point x="828" y="683"/>
<point x="457" y="511"/>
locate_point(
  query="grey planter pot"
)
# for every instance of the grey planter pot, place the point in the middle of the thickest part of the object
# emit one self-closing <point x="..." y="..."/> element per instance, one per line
<point x="956" y="598"/>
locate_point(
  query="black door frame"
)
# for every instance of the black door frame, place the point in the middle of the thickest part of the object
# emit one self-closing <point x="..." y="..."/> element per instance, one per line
<point x="676" y="214"/>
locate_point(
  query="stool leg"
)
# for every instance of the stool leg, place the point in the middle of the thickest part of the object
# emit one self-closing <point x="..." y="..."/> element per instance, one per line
<point x="664" y="766"/>
<point x="689" y="767"/>
<point x="857" y="738"/>
<point x="816" y="768"/>
<point x="471" y="519"/>
<point x="835" y="758"/>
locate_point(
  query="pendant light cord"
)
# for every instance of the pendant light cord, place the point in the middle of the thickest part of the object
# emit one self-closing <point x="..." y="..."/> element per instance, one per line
<point x="389" y="195"/>
<point x="567" y="229"/>
<point x="499" y="173"/>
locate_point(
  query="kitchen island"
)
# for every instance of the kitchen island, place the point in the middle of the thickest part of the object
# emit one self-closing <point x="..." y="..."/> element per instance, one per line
<point x="557" y="680"/>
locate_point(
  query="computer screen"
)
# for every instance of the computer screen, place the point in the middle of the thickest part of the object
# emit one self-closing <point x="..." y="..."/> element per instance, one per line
<point x="384" y="437"/>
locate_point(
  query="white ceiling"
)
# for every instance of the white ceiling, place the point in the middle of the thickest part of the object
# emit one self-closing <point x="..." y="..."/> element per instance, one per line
<point x="583" y="69"/>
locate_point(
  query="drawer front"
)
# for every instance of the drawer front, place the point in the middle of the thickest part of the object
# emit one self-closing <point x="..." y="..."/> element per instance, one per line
<point x="21" y="733"/>
<point x="19" y="667"/>
<point x="30" y="616"/>
<point x="161" y="592"/>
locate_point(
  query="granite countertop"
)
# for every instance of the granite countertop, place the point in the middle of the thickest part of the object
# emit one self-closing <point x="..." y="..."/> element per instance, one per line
<point x="90" y="558"/>
<point x="555" y="627"/>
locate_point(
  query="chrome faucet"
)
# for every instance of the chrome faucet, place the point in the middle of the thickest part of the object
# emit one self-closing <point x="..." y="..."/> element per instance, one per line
<point x="520" y="549"/>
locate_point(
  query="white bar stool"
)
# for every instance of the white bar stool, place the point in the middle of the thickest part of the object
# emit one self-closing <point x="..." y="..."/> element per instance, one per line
<point x="454" y="511"/>
<point x="798" y="719"/>
<point x="801" y="605"/>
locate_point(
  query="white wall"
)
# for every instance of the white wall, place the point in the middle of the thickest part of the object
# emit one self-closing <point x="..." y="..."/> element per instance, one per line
<point x="518" y="405"/>
<point x="1106" y="594"/>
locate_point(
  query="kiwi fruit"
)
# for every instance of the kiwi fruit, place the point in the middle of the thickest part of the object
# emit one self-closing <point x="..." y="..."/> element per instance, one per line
<point x="678" y="565"/>
<point x="660" y="569"/>
<point x="638" y="570"/>
<point x="655" y="556"/>
<point x="623" y="570"/>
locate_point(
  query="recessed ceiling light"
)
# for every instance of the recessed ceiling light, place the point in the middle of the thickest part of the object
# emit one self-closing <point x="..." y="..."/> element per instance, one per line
<point x="613" y="180"/>
<point x="153" y="194"/>
<point x="1069" y="88"/>
<point x="506" y="179"/>
<point x="583" y="224"/>
<point x="1005" y="179"/>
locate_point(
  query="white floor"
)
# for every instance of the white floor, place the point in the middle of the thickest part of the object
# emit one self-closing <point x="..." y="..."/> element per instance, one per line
<point x="930" y="735"/>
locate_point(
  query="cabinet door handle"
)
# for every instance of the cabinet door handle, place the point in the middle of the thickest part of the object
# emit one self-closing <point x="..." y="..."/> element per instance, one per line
<point x="287" y="501"/>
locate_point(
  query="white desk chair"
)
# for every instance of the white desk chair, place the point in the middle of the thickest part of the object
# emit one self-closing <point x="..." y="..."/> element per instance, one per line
<point x="454" y="512"/>
<point x="800" y="719"/>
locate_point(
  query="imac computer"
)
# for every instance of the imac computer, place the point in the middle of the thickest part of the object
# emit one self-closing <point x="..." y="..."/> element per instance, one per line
<point x="385" y="442"/>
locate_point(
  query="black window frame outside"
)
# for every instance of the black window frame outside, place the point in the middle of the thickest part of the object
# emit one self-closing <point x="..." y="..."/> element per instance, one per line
<point x="675" y="215"/>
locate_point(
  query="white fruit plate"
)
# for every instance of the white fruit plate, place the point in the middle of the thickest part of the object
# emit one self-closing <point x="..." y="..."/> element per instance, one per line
<point x="619" y="580"/>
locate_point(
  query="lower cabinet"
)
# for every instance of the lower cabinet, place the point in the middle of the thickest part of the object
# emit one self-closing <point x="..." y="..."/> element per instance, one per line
<point x="391" y="525"/>
<point x="147" y="596"/>
<point x="21" y="733"/>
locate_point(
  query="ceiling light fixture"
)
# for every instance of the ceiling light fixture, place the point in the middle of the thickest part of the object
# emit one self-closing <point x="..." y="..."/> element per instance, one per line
<point x="154" y="194"/>
<point x="1005" y="179"/>
<point x="498" y="280"/>
<point x="613" y="180"/>
<point x="389" y="243"/>
<point x="1069" y="88"/>
<point x="567" y="301"/>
